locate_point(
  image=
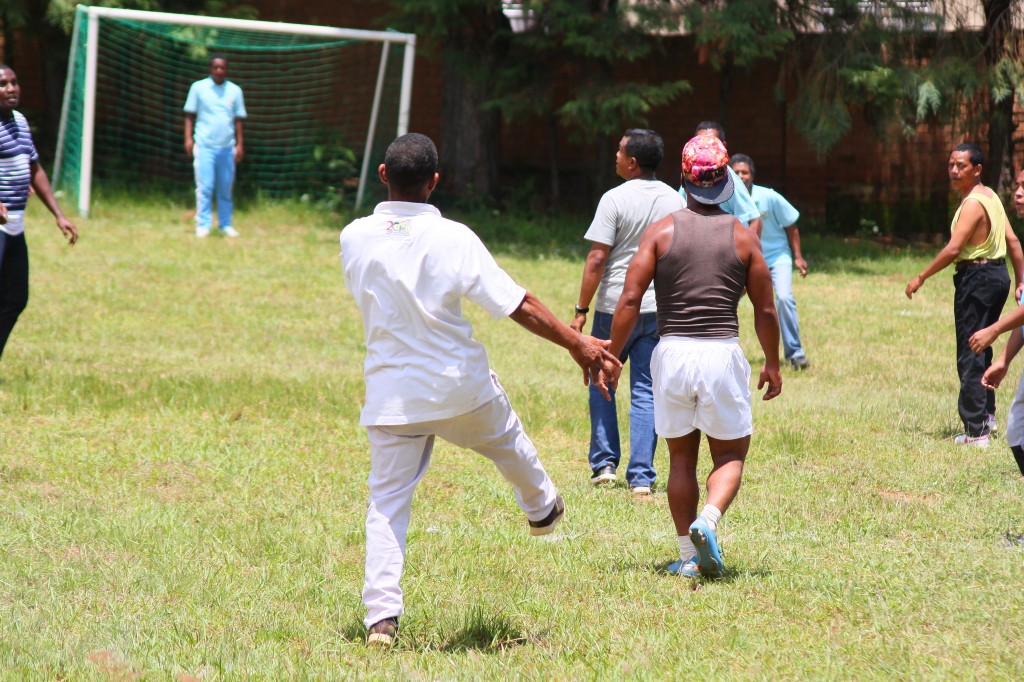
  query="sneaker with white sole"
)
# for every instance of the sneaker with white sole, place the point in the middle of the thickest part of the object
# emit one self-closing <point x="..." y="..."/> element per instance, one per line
<point x="972" y="441"/>
<point x="229" y="231"/>
<point x="641" y="490"/>
<point x="605" y="474"/>
<point x="202" y="232"/>
<point x="686" y="569"/>
<point x="548" y="523"/>
<point x="992" y="424"/>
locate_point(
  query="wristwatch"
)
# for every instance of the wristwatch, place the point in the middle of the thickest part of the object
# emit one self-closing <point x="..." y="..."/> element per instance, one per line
<point x="582" y="311"/>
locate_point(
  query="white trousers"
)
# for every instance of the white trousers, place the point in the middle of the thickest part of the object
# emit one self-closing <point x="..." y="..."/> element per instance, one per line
<point x="399" y="456"/>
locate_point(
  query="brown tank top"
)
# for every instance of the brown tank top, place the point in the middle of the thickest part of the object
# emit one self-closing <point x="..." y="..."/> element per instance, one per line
<point x="699" y="280"/>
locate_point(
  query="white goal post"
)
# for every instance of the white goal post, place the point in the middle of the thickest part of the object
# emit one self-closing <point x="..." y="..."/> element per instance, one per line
<point x="95" y="14"/>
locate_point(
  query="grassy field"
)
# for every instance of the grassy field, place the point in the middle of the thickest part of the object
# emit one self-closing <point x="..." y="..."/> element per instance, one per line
<point x="183" y="483"/>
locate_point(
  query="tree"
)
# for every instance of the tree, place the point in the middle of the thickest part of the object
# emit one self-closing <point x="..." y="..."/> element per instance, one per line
<point x="900" y="65"/>
<point x="558" y="72"/>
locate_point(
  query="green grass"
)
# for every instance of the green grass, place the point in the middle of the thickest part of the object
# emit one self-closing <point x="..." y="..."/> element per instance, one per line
<point x="182" y="478"/>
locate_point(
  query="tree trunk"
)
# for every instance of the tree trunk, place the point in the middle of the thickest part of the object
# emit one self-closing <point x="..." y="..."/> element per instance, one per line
<point x="469" y="134"/>
<point x="1000" y="119"/>
<point x="556" y="189"/>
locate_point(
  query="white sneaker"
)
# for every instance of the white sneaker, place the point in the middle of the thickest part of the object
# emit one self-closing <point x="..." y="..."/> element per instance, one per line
<point x="641" y="490"/>
<point x="992" y="423"/>
<point x="229" y="231"/>
<point x="975" y="442"/>
<point x="202" y="232"/>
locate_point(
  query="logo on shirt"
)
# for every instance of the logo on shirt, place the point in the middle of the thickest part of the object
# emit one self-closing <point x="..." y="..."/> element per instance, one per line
<point x="397" y="228"/>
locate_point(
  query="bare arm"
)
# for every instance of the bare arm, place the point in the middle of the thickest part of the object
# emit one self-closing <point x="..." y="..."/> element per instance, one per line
<point x="757" y="224"/>
<point x="983" y="338"/>
<point x="1016" y="254"/>
<point x="793" y="235"/>
<point x="239" y="141"/>
<point x="589" y="353"/>
<point x="766" y="319"/>
<point x="638" y="278"/>
<point x="971" y="216"/>
<point x="593" y="270"/>
<point x="190" y="125"/>
<point x="997" y="370"/>
<point x="41" y="184"/>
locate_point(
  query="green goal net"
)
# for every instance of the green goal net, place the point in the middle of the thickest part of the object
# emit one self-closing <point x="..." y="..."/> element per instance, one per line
<point x="322" y="104"/>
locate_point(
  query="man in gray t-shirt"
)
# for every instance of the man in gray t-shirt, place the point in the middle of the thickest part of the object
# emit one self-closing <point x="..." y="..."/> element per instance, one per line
<point x="622" y="215"/>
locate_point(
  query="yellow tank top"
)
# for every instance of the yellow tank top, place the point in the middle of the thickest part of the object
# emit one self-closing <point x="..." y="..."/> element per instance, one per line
<point x="995" y="245"/>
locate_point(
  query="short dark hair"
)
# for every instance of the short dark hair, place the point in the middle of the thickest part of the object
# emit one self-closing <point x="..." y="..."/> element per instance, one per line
<point x="215" y="57"/>
<point x="742" y="158"/>
<point x="410" y="162"/>
<point x="711" y="125"/>
<point x="974" y="153"/>
<point x="646" y="146"/>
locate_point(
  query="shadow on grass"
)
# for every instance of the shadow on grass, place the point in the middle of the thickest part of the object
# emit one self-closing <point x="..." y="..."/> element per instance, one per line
<point x="732" y="574"/>
<point x="475" y="630"/>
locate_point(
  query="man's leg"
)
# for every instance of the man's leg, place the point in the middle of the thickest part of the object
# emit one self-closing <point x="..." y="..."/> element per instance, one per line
<point x="605" y="448"/>
<point x="642" y="438"/>
<point x="13" y="283"/>
<point x="683" y="490"/>
<point x="225" y="188"/>
<point x="203" y="165"/>
<point x="789" y="325"/>
<point x="495" y="431"/>
<point x="399" y="457"/>
<point x="1015" y="426"/>
<point x="969" y="310"/>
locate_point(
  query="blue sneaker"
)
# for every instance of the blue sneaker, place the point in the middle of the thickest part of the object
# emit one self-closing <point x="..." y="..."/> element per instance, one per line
<point x="709" y="556"/>
<point x="686" y="569"/>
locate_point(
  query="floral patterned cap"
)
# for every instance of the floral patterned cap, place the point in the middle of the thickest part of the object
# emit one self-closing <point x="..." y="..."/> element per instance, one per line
<point x="706" y="170"/>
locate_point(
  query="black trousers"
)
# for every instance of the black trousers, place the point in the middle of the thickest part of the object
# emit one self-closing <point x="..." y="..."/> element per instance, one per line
<point x="981" y="291"/>
<point x="13" y="282"/>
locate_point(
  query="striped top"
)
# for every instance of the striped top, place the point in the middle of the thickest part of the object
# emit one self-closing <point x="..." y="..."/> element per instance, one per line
<point x="17" y="154"/>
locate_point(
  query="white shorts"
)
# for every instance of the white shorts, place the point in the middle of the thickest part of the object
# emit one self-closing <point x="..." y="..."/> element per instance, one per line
<point x="1015" y="423"/>
<point x="701" y="384"/>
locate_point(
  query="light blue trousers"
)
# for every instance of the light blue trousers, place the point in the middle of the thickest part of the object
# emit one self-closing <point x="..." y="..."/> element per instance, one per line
<point x="215" y="173"/>
<point x="782" y="280"/>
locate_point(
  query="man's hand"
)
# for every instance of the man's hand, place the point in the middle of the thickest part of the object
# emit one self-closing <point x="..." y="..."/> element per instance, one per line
<point x="994" y="375"/>
<point x="68" y="230"/>
<point x="189" y="145"/>
<point x="600" y="367"/>
<point x="801" y="266"/>
<point x="239" y="153"/>
<point x="773" y="377"/>
<point x="982" y="339"/>
<point x="913" y="286"/>
<point x="578" y="322"/>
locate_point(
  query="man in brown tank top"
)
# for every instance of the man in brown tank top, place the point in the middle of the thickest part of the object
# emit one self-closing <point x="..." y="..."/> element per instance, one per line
<point x="700" y="260"/>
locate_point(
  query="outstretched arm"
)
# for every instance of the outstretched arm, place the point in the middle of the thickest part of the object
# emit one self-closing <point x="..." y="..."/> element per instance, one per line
<point x="41" y="184"/>
<point x="983" y="338"/>
<point x="971" y="216"/>
<point x="997" y="370"/>
<point x="589" y="353"/>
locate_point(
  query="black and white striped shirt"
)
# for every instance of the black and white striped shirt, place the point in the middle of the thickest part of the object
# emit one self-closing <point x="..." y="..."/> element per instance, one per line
<point x="17" y="153"/>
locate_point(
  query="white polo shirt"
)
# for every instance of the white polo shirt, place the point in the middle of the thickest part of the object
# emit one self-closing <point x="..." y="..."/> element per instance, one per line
<point x="409" y="270"/>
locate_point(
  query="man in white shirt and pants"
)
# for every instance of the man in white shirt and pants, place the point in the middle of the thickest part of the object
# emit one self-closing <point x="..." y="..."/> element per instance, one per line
<point x="425" y="374"/>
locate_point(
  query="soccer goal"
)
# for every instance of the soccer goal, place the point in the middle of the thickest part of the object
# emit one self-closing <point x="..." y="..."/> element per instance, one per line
<point x="323" y="102"/>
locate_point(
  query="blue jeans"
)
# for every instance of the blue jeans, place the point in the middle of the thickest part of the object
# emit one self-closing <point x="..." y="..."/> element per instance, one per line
<point x="215" y="172"/>
<point x="782" y="281"/>
<point x="604" y="425"/>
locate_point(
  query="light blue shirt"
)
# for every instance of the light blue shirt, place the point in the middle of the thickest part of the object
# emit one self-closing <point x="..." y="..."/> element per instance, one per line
<point x="216" y="107"/>
<point x="739" y="204"/>
<point x="777" y="214"/>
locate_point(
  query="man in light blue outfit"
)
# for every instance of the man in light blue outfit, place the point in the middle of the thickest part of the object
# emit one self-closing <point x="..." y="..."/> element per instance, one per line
<point x="214" y="110"/>
<point x="780" y="242"/>
<point x="739" y="204"/>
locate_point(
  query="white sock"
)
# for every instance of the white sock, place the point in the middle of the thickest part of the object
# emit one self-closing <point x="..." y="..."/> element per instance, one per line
<point x="686" y="548"/>
<point x="712" y="515"/>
